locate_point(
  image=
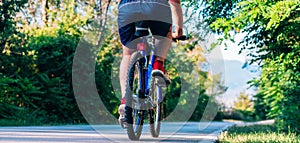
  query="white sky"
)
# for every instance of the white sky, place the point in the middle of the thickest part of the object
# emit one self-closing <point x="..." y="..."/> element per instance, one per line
<point x="234" y="77"/>
<point x="231" y="52"/>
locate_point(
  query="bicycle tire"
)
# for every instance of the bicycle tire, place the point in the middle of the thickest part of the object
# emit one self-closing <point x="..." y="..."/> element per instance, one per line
<point x="155" y="112"/>
<point x="134" y="117"/>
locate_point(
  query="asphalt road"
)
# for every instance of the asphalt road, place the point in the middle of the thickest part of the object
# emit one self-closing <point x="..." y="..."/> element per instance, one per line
<point x="170" y="132"/>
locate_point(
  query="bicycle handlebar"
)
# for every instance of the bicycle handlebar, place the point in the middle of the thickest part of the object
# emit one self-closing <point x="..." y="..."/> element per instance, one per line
<point x="181" y="38"/>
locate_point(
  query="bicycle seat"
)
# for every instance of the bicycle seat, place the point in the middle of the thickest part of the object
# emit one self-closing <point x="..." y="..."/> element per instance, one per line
<point x="140" y="30"/>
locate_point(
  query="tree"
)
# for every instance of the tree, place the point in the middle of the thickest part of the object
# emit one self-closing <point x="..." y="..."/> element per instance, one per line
<point x="243" y="108"/>
<point x="273" y="39"/>
<point x="243" y="103"/>
<point x="36" y="83"/>
<point x="39" y="44"/>
<point x="8" y="11"/>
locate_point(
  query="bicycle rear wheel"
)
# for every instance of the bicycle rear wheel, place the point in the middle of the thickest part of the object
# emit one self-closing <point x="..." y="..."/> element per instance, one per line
<point x="133" y="115"/>
<point x="155" y="112"/>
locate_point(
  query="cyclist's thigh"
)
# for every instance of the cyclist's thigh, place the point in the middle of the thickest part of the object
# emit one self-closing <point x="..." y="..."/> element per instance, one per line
<point x="129" y="13"/>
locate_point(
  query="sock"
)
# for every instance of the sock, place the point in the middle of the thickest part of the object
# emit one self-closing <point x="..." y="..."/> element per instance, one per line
<point x="123" y="101"/>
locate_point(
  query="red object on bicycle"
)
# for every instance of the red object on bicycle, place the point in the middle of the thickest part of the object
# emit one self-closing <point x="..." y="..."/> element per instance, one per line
<point x="159" y="65"/>
<point x="141" y="46"/>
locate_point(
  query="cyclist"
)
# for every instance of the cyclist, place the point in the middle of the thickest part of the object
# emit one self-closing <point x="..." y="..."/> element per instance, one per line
<point x="158" y="16"/>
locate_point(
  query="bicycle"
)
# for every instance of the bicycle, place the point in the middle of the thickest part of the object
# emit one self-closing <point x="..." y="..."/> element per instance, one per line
<point x="143" y="90"/>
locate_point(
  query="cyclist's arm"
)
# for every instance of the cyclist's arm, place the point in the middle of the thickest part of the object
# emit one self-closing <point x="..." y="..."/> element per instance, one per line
<point x="177" y="17"/>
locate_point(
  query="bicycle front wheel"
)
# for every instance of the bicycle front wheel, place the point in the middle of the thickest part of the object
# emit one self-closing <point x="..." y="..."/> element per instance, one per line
<point x="133" y="115"/>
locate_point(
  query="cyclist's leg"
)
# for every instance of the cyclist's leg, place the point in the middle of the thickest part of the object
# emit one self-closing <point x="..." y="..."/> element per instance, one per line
<point x="126" y="33"/>
<point x="129" y="40"/>
<point x="160" y="20"/>
<point x="127" y="52"/>
<point x="162" y="44"/>
<point x="129" y="13"/>
<point x="161" y="31"/>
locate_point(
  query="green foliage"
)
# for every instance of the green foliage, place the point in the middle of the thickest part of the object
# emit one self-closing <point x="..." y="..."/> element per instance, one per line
<point x="8" y="11"/>
<point x="257" y="133"/>
<point x="107" y="55"/>
<point x="291" y="105"/>
<point x="272" y="29"/>
<point x="279" y="90"/>
<point x="261" y="107"/>
<point x="36" y="66"/>
<point x="34" y="98"/>
<point x="243" y="108"/>
<point x="190" y="84"/>
<point x="243" y="103"/>
<point x="36" y="74"/>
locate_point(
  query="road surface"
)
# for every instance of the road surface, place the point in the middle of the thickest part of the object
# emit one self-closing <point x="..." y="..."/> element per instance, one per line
<point x="170" y="132"/>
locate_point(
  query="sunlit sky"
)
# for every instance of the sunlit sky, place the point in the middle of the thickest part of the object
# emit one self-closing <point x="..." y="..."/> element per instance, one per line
<point x="227" y="61"/>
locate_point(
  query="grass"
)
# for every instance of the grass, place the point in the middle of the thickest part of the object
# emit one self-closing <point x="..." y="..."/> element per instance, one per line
<point x="257" y="134"/>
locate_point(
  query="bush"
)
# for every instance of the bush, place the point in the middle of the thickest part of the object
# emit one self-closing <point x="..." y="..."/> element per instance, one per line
<point x="289" y="120"/>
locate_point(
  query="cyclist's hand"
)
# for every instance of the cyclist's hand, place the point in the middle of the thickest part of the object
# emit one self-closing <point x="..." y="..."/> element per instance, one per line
<point x="177" y="33"/>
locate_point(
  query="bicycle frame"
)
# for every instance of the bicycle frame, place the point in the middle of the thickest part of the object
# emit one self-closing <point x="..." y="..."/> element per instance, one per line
<point x="149" y="96"/>
<point x="146" y="67"/>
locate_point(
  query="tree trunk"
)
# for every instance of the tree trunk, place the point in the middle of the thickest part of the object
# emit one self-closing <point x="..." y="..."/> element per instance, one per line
<point x="102" y="9"/>
<point x="44" y="8"/>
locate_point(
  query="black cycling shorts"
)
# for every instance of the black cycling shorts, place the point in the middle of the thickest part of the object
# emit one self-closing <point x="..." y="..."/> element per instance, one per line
<point x="152" y="14"/>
